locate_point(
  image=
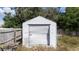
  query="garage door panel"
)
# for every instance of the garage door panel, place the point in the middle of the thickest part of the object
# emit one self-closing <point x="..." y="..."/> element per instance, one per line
<point x="39" y="29"/>
<point x="38" y="34"/>
<point x="38" y="39"/>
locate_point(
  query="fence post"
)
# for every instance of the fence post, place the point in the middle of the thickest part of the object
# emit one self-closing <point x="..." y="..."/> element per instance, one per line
<point x="14" y="36"/>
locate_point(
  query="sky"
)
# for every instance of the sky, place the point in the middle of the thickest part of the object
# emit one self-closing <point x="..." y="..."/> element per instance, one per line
<point x="63" y="9"/>
<point x="2" y="11"/>
<point x="9" y="10"/>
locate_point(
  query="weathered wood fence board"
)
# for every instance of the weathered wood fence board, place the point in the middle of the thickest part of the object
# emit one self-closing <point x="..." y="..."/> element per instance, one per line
<point x="9" y="36"/>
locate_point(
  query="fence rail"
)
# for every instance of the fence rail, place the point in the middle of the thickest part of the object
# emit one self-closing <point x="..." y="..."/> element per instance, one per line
<point x="9" y="40"/>
<point x="12" y="37"/>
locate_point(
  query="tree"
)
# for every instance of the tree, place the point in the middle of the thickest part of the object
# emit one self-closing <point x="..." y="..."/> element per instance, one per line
<point x="10" y="21"/>
<point x="25" y="13"/>
<point x="69" y="21"/>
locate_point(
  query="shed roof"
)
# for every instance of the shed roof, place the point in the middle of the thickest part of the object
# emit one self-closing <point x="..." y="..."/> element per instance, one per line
<point x="39" y="20"/>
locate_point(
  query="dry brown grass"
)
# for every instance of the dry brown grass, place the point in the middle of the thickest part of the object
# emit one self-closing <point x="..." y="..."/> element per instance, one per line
<point x="35" y="48"/>
<point x="65" y="43"/>
<point x="68" y="43"/>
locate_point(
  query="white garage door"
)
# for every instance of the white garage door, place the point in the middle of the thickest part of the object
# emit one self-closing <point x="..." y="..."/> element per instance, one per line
<point x="38" y="35"/>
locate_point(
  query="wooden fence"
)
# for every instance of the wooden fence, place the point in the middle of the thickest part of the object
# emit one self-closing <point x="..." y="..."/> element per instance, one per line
<point x="10" y="38"/>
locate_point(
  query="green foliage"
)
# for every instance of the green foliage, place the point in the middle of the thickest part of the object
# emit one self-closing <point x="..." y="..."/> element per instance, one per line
<point x="25" y="13"/>
<point x="69" y="20"/>
<point x="10" y="21"/>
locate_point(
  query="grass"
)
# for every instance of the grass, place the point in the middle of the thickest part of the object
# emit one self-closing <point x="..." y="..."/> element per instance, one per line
<point x="68" y="43"/>
<point x="35" y="48"/>
<point x="65" y="43"/>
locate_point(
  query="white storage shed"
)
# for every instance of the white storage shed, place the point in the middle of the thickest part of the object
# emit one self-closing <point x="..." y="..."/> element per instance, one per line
<point x="39" y="31"/>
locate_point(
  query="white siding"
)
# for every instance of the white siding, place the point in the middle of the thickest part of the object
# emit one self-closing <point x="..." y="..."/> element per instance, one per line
<point x="39" y="32"/>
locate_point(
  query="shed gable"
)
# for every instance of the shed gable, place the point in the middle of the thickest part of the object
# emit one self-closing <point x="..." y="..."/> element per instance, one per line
<point x="39" y="20"/>
<point x="39" y="30"/>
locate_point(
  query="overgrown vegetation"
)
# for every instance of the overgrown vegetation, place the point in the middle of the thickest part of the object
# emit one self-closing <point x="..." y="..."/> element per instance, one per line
<point x="65" y="43"/>
<point x="69" y="21"/>
<point x="68" y="43"/>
